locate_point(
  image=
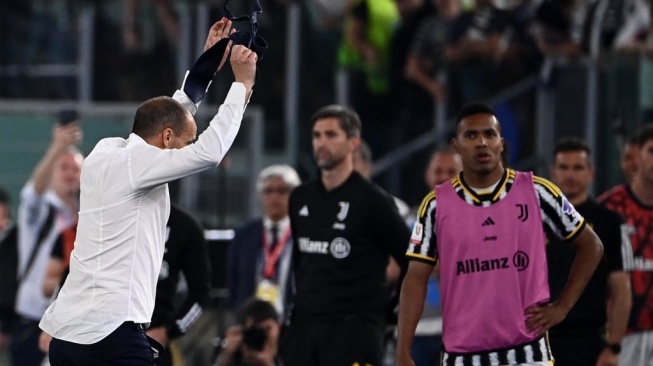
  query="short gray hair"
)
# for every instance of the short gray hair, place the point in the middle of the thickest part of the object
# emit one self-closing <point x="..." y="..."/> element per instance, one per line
<point x="283" y="171"/>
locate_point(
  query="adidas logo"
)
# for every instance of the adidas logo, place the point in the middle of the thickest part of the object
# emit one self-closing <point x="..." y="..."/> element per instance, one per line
<point x="488" y="222"/>
<point x="303" y="211"/>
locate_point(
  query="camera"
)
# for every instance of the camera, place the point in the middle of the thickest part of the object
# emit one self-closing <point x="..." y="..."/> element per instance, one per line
<point x="254" y="337"/>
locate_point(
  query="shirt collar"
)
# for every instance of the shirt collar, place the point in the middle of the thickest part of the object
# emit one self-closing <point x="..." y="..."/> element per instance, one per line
<point x="283" y="223"/>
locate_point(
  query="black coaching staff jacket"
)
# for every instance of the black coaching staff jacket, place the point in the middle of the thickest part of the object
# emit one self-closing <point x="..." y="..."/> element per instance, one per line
<point x="343" y="240"/>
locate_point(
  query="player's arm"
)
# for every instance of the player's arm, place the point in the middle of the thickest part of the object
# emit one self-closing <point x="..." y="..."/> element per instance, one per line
<point x="619" y="304"/>
<point x="421" y="251"/>
<point x="411" y="305"/>
<point x="619" y="299"/>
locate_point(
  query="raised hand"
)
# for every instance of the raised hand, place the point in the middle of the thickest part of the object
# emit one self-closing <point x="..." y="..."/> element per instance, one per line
<point x="243" y="64"/>
<point x="219" y="30"/>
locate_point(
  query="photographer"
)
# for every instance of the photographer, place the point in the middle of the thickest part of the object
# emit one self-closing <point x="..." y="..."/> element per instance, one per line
<point x="254" y="341"/>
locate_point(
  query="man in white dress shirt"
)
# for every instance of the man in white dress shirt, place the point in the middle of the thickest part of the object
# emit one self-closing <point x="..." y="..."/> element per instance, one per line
<point x="108" y="297"/>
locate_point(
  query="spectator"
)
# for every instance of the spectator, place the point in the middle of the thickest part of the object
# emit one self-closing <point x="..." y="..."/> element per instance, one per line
<point x="443" y="165"/>
<point x="476" y="45"/>
<point x="364" y="163"/>
<point x="365" y="56"/>
<point x="151" y="35"/>
<point x="629" y="159"/>
<point x="426" y="59"/>
<point x="591" y="333"/>
<point x="259" y="255"/>
<point x="344" y="229"/>
<point x="49" y="204"/>
<point x="412" y="105"/>
<point x="554" y="28"/>
<point x="487" y="235"/>
<point x="633" y="200"/>
<point x="615" y="25"/>
<point x="254" y="341"/>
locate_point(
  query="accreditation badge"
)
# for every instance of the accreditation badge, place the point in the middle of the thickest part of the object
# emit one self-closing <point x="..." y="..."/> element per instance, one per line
<point x="268" y="291"/>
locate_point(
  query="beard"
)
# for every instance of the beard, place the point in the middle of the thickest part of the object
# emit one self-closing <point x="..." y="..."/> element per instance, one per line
<point x="329" y="163"/>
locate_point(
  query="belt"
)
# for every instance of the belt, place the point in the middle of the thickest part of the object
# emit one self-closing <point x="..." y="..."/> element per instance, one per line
<point x="138" y="326"/>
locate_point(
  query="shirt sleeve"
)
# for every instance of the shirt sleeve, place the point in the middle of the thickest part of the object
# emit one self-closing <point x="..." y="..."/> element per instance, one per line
<point x="151" y="166"/>
<point x="391" y="229"/>
<point x="423" y="240"/>
<point x="559" y="216"/>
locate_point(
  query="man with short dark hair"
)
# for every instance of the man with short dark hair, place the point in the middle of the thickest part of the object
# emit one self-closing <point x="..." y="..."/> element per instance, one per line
<point x="107" y="300"/>
<point x="487" y="234"/>
<point x="344" y="229"/>
<point x="633" y="200"/>
<point x="591" y="333"/>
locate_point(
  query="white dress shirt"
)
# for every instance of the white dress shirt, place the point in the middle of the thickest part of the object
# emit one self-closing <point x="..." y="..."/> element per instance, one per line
<point x="124" y="208"/>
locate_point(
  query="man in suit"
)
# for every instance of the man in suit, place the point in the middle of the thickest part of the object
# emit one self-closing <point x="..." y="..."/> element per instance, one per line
<point x="259" y="254"/>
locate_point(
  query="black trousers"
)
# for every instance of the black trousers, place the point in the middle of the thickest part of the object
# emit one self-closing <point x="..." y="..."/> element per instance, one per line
<point x="579" y="350"/>
<point x="25" y="343"/>
<point x="345" y="342"/>
<point x="127" y="346"/>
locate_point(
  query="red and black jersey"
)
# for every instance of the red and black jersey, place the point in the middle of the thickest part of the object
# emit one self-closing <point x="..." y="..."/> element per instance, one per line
<point x="639" y="260"/>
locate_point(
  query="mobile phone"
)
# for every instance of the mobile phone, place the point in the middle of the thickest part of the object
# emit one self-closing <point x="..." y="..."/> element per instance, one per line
<point x="67" y="116"/>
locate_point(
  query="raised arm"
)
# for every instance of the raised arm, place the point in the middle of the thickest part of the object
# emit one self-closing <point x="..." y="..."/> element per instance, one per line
<point x="411" y="304"/>
<point x="63" y="137"/>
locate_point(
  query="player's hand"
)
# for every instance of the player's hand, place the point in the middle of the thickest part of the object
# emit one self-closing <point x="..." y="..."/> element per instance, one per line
<point x="243" y="64"/>
<point x="540" y="318"/>
<point x="607" y="358"/>
<point x="219" y="30"/>
<point x="159" y="334"/>
<point x="404" y="360"/>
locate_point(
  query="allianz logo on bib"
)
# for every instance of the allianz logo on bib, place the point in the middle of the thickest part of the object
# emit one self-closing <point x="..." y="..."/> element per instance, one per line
<point x="339" y="247"/>
<point x="520" y="262"/>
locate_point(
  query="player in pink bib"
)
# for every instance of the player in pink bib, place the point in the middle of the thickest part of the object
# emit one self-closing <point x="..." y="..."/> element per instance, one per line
<point x="489" y="235"/>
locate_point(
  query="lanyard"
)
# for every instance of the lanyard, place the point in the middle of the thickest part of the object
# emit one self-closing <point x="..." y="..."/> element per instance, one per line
<point x="271" y="254"/>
